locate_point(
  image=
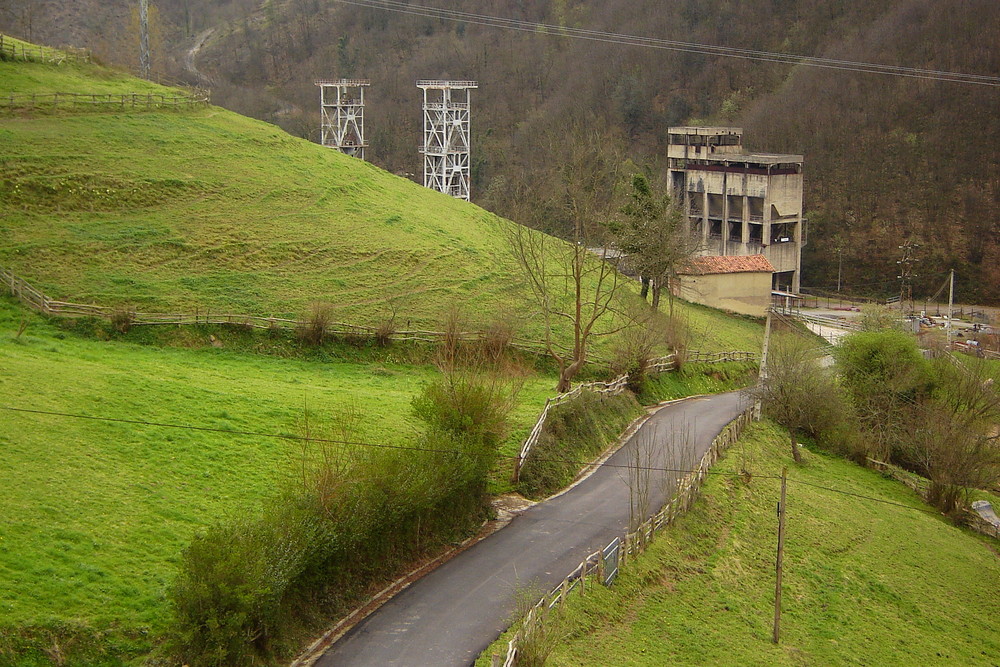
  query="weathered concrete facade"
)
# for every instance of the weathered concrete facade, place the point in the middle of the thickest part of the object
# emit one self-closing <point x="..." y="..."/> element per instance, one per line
<point x="740" y="203"/>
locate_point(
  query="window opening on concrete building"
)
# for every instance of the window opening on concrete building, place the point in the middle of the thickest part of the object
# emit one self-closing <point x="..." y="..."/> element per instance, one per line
<point x="756" y="206"/>
<point x="781" y="232"/>
<point x="756" y="232"/>
<point x="735" y="207"/>
<point x="715" y="229"/>
<point x="715" y="203"/>
<point x="735" y="231"/>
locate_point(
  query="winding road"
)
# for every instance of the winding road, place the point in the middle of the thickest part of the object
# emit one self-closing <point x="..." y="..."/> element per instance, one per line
<point x="451" y="615"/>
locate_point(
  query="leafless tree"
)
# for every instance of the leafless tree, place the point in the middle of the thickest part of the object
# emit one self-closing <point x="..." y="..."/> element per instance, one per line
<point x="572" y="285"/>
<point x="798" y="392"/>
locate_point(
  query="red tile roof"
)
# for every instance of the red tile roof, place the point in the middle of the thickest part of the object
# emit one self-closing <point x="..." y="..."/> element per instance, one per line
<point x="700" y="266"/>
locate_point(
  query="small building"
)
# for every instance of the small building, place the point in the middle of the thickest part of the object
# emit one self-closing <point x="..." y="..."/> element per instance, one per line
<point x="738" y="283"/>
<point x="737" y="202"/>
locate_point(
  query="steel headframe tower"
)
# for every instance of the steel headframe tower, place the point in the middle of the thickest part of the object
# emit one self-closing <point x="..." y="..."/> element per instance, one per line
<point x="144" y="39"/>
<point x="446" y="136"/>
<point x="342" y="110"/>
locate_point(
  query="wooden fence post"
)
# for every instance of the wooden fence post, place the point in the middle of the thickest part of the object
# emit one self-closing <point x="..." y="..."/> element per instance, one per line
<point x="778" y="563"/>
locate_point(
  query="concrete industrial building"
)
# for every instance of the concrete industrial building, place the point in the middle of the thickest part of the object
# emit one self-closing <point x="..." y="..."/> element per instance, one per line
<point x="740" y="203"/>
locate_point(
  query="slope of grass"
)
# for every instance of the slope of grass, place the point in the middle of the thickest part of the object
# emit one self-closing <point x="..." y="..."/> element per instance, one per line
<point x="864" y="582"/>
<point x="96" y="513"/>
<point x="211" y="211"/>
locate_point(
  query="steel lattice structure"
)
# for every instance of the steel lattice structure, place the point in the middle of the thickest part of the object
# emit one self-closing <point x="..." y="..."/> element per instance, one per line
<point x="447" y="142"/>
<point x="342" y="110"/>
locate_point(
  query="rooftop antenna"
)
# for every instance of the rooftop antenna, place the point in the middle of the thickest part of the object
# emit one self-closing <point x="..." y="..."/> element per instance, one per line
<point x="447" y="143"/>
<point x="342" y="113"/>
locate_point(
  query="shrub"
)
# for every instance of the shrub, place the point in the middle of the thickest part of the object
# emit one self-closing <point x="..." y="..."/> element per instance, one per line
<point x="228" y="599"/>
<point x="314" y="328"/>
<point x="798" y="392"/>
<point x="122" y="319"/>
<point x="573" y="433"/>
<point x="498" y="336"/>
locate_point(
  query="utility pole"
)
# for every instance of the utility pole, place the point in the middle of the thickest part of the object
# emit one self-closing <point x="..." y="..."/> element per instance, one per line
<point x="906" y="274"/>
<point x="144" y="39"/>
<point x="951" y="303"/>
<point x="781" y="551"/>
<point x="840" y="266"/>
<point x="762" y="376"/>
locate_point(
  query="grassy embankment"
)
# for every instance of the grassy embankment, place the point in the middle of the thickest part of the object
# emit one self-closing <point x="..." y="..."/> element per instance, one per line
<point x="864" y="582"/>
<point x="205" y="209"/>
<point x="200" y="209"/>
<point x="99" y="512"/>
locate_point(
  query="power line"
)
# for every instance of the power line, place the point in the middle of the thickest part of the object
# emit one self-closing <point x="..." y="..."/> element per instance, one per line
<point x="338" y="441"/>
<point x="862" y="496"/>
<point x="673" y="45"/>
<point x="358" y="443"/>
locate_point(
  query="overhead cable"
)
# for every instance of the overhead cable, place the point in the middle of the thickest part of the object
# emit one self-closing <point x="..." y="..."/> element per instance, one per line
<point x="673" y="45"/>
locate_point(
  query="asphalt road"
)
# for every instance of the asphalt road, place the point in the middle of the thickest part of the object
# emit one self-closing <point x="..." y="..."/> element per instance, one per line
<point x="450" y="616"/>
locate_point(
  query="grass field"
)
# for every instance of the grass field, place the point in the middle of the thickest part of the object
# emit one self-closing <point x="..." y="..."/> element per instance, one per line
<point x="205" y="209"/>
<point x="213" y="210"/>
<point x="865" y="583"/>
<point x="96" y="513"/>
<point x="208" y="210"/>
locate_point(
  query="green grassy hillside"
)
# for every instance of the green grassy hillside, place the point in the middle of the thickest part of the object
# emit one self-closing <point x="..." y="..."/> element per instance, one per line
<point x="97" y="513"/>
<point x="864" y="582"/>
<point x="207" y="209"/>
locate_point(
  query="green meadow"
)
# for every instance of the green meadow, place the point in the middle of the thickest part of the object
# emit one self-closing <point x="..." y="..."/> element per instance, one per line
<point x="96" y="513"/>
<point x="203" y="209"/>
<point x="865" y="582"/>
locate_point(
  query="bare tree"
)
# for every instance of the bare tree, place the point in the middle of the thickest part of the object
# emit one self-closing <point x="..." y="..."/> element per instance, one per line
<point x="953" y="438"/>
<point x="572" y="285"/>
<point x="798" y="392"/>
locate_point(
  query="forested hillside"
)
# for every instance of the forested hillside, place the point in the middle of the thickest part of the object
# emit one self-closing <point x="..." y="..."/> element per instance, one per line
<point x="888" y="159"/>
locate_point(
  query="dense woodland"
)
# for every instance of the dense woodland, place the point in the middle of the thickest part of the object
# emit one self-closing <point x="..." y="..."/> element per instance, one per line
<point x="888" y="159"/>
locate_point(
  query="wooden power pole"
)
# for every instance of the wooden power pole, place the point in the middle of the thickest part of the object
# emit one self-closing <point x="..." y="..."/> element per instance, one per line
<point x="777" y="564"/>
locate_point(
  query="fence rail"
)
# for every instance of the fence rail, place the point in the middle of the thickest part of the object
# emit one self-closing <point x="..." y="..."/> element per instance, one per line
<point x="35" y="53"/>
<point x="615" y="387"/>
<point x="36" y="299"/>
<point x="104" y="102"/>
<point x="631" y="543"/>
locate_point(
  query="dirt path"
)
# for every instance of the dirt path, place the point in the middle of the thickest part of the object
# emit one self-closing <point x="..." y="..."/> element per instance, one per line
<point x="191" y="56"/>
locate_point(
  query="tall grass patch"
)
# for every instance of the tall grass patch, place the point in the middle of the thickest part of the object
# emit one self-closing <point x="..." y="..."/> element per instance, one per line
<point x="573" y="434"/>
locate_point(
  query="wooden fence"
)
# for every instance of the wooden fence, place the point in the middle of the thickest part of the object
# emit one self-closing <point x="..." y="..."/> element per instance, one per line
<point x="631" y="543"/>
<point x="615" y="387"/>
<point x="103" y="102"/>
<point x="921" y="485"/>
<point x="43" y="54"/>
<point x="127" y="317"/>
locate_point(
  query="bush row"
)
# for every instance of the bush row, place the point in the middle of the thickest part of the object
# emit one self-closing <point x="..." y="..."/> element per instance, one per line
<point x="247" y="586"/>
